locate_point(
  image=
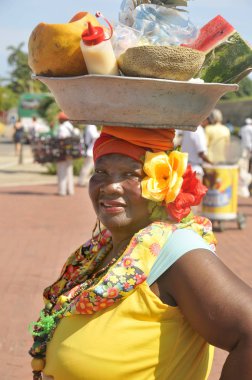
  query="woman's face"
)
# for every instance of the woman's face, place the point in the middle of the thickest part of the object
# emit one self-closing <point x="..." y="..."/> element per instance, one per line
<point x="115" y="191"/>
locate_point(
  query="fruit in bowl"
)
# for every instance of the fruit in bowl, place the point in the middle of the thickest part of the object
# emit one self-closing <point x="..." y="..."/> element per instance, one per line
<point x="164" y="62"/>
<point x="54" y="49"/>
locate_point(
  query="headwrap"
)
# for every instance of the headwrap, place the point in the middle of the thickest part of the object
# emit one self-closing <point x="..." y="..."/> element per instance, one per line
<point x="62" y="116"/>
<point x="133" y="142"/>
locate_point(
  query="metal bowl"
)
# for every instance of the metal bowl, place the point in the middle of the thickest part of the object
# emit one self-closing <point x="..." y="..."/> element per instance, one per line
<point x="135" y="102"/>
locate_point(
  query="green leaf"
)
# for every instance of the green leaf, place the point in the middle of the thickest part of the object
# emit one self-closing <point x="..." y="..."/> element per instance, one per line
<point x="166" y="3"/>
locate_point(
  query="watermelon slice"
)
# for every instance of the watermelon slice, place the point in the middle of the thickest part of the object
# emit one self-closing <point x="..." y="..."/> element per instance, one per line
<point x="228" y="56"/>
<point x="228" y="62"/>
<point x="212" y="34"/>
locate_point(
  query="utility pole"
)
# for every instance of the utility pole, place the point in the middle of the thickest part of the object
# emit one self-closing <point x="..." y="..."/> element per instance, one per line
<point x="20" y="159"/>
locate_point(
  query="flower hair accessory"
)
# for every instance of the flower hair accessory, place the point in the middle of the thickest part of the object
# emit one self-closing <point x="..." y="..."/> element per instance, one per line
<point x="164" y="175"/>
<point x="191" y="193"/>
<point x="171" y="183"/>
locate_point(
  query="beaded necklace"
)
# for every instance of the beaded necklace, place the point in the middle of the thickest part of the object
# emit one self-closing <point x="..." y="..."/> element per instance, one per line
<point x="50" y="316"/>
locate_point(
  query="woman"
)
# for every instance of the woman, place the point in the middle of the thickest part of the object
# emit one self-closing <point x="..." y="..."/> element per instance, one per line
<point x="65" y="173"/>
<point x="91" y="133"/>
<point x="18" y="136"/>
<point x="217" y="137"/>
<point x="146" y="297"/>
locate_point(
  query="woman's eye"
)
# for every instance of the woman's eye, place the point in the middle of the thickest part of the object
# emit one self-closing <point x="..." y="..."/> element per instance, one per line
<point x="132" y="175"/>
<point x="99" y="171"/>
<point x="129" y="174"/>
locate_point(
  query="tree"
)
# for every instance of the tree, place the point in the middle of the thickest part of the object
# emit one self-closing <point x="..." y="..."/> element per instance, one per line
<point x="8" y="99"/>
<point x="49" y="109"/>
<point x="20" y="80"/>
<point x="245" y="90"/>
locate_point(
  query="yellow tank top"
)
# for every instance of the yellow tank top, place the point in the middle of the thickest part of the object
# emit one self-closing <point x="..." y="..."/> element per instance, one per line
<point x="139" y="338"/>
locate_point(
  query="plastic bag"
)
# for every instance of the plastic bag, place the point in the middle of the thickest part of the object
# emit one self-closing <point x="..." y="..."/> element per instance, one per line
<point x="159" y="24"/>
<point x="124" y="37"/>
<point x="126" y="12"/>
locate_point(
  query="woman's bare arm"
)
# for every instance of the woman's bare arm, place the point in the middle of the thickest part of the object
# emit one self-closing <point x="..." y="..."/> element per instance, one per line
<point x="218" y="305"/>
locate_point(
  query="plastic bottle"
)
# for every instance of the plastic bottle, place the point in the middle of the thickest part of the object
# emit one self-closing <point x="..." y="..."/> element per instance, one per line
<point x="97" y="50"/>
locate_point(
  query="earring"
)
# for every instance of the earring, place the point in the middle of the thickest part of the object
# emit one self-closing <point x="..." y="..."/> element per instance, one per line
<point x="96" y="237"/>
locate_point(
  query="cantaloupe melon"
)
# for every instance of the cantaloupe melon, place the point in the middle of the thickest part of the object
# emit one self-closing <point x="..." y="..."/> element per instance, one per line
<point x="54" y="49"/>
<point x="167" y="62"/>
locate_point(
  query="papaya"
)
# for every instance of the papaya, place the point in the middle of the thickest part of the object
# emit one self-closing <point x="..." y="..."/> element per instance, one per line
<point x="54" y="49"/>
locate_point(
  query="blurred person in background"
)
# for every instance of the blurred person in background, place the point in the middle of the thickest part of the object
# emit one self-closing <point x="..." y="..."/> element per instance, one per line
<point x="65" y="167"/>
<point x="178" y="138"/>
<point x="90" y="135"/>
<point x="245" y="163"/>
<point x="246" y="138"/>
<point x="230" y="126"/>
<point x="52" y="130"/>
<point x="2" y="129"/>
<point x="194" y="143"/>
<point x="34" y="129"/>
<point x="17" y="136"/>
<point x="217" y="137"/>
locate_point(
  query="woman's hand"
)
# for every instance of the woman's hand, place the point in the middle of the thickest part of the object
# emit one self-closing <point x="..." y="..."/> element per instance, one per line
<point x="217" y="304"/>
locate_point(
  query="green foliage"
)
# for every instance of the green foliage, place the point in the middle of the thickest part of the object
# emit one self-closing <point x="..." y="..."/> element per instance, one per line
<point x="20" y="80"/>
<point x="245" y="90"/>
<point x="48" y="110"/>
<point x="77" y="165"/>
<point x="157" y="211"/>
<point x="171" y="3"/>
<point x="51" y="168"/>
<point x="8" y="99"/>
<point x="20" y="74"/>
<point x="168" y="3"/>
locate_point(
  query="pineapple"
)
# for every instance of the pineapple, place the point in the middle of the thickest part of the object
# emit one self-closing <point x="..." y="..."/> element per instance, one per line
<point x="166" y="3"/>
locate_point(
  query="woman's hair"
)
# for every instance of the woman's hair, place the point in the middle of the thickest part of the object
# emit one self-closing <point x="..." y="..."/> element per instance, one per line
<point x="215" y="116"/>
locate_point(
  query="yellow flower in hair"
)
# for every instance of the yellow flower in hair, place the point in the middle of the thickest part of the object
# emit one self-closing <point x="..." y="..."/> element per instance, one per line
<point x="164" y="175"/>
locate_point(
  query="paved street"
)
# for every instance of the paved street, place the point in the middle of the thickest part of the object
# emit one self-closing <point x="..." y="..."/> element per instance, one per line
<point x="39" y="230"/>
<point x="12" y="173"/>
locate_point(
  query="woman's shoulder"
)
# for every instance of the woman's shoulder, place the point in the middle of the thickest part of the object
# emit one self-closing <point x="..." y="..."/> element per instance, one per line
<point x="189" y="232"/>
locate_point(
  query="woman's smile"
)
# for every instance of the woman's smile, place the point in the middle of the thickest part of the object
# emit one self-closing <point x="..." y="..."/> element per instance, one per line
<point x="115" y="191"/>
<point x="112" y="206"/>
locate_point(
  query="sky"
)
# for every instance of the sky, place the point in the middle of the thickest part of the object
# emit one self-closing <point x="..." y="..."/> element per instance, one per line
<point x="19" y="17"/>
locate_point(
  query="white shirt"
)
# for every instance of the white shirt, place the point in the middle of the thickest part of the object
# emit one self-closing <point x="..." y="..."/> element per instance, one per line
<point x="66" y="129"/>
<point x="194" y="143"/>
<point x="90" y="135"/>
<point x="246" y="136"/>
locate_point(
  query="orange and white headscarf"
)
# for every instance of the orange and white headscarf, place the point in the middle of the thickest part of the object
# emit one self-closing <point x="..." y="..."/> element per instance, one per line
<point x="133" y="142"/>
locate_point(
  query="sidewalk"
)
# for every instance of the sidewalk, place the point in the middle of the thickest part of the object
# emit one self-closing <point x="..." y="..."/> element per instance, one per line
<point x="39" y="230"/>
<point x="12" y="173"/>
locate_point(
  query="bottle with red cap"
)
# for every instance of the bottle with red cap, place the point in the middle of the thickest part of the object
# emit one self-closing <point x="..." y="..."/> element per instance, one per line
<point x="97" y="50"/>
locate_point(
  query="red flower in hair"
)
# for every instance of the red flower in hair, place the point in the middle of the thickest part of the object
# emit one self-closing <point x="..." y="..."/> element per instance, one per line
<point x="191" y="193"/>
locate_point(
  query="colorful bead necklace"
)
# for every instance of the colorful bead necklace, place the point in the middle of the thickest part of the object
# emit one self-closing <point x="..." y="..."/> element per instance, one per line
<point x="43" y="329"/>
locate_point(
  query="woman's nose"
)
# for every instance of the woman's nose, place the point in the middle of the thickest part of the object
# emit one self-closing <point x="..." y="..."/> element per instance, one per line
<point x="111" y="187"/>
